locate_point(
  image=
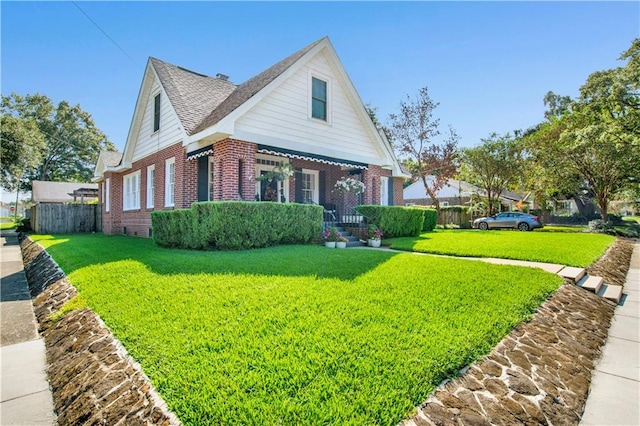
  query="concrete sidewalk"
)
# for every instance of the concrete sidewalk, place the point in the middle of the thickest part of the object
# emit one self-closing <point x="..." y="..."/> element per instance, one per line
<point x="615" y="384"/>
<point x="25" y="397"/>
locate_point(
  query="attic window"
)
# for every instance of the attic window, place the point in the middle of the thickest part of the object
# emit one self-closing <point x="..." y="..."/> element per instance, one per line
<point x="156" y="113"/>
<point x="318" y="99"/>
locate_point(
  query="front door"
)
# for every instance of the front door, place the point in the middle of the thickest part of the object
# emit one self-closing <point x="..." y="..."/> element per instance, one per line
<point x="268" y="189"/>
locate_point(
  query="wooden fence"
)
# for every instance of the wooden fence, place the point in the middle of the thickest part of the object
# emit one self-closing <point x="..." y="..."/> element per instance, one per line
<point x="66" y="218"/>
<point x="462" y="219"/>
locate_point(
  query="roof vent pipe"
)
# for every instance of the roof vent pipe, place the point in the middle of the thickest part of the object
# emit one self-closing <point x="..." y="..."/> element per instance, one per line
<point x="222" y="77"/>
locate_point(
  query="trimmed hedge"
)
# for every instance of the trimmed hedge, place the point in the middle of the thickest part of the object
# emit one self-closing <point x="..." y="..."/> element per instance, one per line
<point x="394" y="221"/>
<point x="236" y="225"/>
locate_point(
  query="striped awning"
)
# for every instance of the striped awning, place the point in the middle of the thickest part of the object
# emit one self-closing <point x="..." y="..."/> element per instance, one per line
<point x="289" y="153"/>
<point x="200" y="152"/>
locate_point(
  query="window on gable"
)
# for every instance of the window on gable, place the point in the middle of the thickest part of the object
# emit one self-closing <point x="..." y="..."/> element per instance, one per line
<point x="318" y="99"/>
<point x="131" y="191"/>
<point x="156" y="113"/>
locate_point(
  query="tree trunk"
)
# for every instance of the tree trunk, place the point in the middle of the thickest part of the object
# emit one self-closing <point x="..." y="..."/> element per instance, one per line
<point x="432" y="194"/>
<point x="603" y="203"/>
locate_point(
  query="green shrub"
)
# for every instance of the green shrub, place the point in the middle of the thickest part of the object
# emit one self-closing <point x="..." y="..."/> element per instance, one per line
<point x="234" y="225"/>
<point x="394" y="221"/>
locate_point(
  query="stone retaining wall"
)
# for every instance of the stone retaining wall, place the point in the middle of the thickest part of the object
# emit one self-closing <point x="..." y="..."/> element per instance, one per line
<point x="539" y="374"/>
<point x="93" y="379"/>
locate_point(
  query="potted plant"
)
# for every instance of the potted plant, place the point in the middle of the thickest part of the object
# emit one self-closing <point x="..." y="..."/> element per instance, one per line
<point x="330" y="236"/>
<point x="342" y="242"/>
<point x="375" y="236"/>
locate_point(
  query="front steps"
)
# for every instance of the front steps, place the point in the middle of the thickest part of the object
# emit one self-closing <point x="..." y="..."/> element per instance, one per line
<point x="596" y="285"/>
<point x="353" y="241"/>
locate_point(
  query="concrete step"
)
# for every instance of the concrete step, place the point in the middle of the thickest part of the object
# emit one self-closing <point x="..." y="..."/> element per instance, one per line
<point x="591" y="283"/>
<point x="355" y="243"/>
<point x="572" y="274"/>
<point x="611" y="292"/>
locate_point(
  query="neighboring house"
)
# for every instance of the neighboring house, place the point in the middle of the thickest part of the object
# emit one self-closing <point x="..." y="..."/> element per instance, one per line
<point x="63" y="192"/>
<point x="198" y="138"/>
<point x="455" y="192"/>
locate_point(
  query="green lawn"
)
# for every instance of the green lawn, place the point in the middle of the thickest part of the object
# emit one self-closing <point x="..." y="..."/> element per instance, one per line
<point x="574" y="249"/>
<point x="296" y="334"/>
<point x="7" y="225"/>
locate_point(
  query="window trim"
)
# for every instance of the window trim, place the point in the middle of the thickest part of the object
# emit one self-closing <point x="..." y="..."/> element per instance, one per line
<point x="169" y="187"/>
<point x="129" y="194"/>
<point x="316" y="184"/>
<point x="151" y="177"/>
<point x="329" y="110"/>
<point x="107" y="195"/>
<point x="157" y="106"/>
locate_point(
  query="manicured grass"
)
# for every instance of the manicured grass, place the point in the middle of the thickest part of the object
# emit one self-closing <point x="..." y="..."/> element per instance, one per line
<point x="296" y="334"/>
<point x="562" y="228"/>
<point x="7" y="225"/>
<point x="635" y="219"/>
<point x="574" y="249"/>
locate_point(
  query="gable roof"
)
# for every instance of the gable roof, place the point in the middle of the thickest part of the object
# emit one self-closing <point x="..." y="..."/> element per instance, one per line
<point x="246" y="90"/>
<point x="59" y="192"/>
<point x="111" y="158"/>
<point x="192" y="95"/>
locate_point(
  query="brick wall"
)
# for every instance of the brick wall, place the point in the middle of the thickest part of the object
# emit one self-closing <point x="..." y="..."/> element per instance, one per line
<point x="229" y="156"/>
<point x="397" y="191"/>
<point x="138" y="222"/>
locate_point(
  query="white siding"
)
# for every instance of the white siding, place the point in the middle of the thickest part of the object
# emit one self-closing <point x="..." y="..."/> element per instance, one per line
<point x="147" y="142"/>
<point x="285" y="115"/>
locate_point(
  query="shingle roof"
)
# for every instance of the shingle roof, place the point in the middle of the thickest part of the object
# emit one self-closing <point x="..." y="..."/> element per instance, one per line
<point x="246" y="90"/>
<point x="192" y="95"/>
<point x="111" y="158"/>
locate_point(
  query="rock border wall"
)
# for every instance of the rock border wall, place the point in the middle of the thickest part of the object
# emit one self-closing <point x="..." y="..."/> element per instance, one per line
<point x="92" y="377"/>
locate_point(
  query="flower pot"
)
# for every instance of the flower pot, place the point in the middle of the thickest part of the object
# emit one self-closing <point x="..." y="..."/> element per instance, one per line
<point x="375" y="243"/>
<point x="369" y="242"/>
<point x="330" y="244"/>
<point x="341" y="244"/>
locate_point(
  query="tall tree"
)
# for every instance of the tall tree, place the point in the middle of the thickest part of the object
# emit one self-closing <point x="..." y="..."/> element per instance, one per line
<point x="21" y="147"/>
<point x="72" y="142"/>
<point x="414" y="130"/>
<point x="493" y="166"/>
<point x="596" y="139"/>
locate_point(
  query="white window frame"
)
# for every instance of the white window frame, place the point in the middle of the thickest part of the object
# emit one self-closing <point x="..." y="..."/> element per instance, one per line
<point x="151" y="177"/>
<point x="170" y="182"/>
<point x="315" y="194"/>
<point x="131" y="191"/>
<point x="384" y="190"/>
<point x="210" y="180"/>
<point x="107" y="195"/>
<point x="314" y="74"/>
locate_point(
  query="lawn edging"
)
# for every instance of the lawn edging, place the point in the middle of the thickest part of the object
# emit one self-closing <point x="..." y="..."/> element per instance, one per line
<point x="541" y="371"/>
<point x="92" y="377"/>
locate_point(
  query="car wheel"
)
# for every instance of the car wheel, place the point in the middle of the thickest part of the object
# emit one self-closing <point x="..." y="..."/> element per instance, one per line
<point x="483" y="226"/>
<point x="523" y="226"/>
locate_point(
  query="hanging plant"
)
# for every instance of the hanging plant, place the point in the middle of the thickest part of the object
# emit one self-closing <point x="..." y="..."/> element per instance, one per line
<point x="348" y="186"/>
<point x="282" y="172"/>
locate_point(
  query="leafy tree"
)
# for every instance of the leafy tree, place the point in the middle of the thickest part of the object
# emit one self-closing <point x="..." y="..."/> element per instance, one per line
<point x="21" y="149"/>
<point x="493" y="166"/>
<point x="596" y="138"/>
<point x="72" y="142"/>
<point x="414" y="132"/>
<point x="373" y="114"/>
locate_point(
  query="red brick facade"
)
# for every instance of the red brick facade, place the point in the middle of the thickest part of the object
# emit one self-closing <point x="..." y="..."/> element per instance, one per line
<point x="232" y="159"/>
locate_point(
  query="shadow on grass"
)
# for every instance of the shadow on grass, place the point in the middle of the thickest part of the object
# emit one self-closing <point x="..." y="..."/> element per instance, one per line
<point x="75" y="251"/>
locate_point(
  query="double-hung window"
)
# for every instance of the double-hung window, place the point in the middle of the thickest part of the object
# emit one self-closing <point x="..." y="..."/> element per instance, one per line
<point x="309" y="179"/>
<point x="131" y="191"/>
<point x="169" y="182"/>
<point x="318" y="99"/>
<point x="151" y="177"/>
<point x="107" y="194"/>
<point x="156" y="113"/>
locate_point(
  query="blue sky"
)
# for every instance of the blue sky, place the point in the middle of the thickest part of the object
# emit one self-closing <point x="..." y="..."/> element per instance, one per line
<point x="489" y="64"/>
